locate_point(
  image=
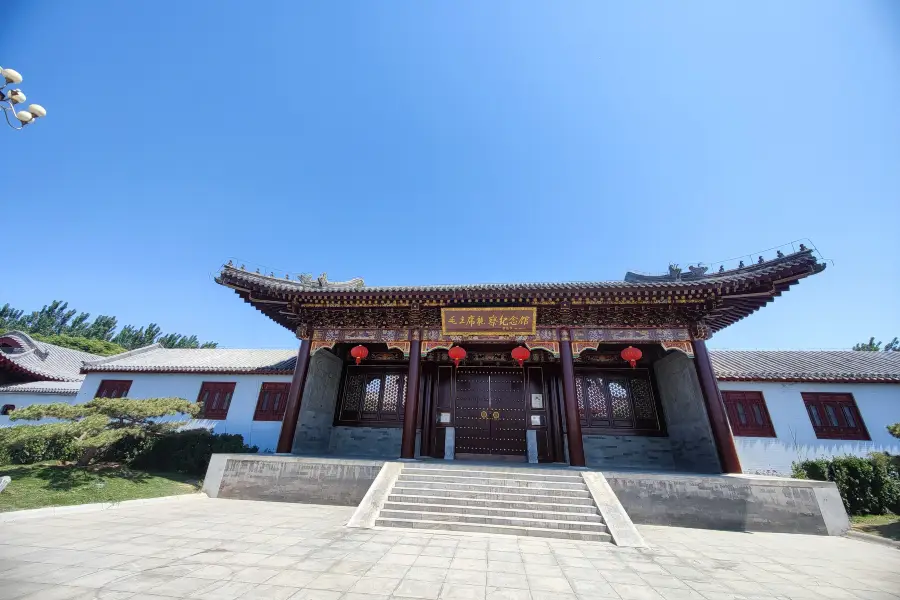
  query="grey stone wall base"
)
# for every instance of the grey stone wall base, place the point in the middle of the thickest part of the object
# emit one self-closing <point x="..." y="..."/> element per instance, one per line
<point x="731" y="502"/>
<point x="865" y="537"/>
<point x="374" y="442"/>
<point x="619" y="524"/>
<point x="449" y="443"/>
<point x="214" y="472"/>
<point x="532" y="445"/>
<point x="374" y="500"/>
<point x="293" y="478"/>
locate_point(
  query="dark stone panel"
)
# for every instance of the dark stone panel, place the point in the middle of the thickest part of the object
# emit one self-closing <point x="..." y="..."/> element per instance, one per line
<point x="376" y="442"/>
<point x="628" y="451"/>
<point x="719" y="503"/>
<point x="331" y="481"/>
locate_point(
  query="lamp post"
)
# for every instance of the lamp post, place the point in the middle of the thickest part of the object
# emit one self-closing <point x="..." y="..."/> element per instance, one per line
<point x="10" y="98"/>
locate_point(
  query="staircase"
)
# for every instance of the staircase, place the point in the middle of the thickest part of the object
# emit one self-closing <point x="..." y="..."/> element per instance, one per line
<point x="531" y="502"/>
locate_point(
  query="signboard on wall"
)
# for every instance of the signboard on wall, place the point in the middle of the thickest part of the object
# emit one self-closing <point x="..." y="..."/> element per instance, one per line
<point x="489" y="321"/>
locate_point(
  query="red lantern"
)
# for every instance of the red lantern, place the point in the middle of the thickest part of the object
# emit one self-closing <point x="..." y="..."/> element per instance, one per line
<point x="521" y="354"/>
<point x="359" y="353"/>
<point x="632" y="355"/>
<point x="457" y="353"/>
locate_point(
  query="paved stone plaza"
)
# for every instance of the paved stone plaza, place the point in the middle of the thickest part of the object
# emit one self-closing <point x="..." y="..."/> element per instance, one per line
<point x="225" y="549"/>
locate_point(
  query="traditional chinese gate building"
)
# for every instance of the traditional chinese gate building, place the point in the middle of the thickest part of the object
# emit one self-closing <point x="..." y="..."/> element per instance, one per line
<point x="573" y="399"/>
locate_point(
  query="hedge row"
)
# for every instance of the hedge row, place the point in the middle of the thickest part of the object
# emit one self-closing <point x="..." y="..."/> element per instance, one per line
<point x="868" y="486"/>
<point x="182" y="452"/>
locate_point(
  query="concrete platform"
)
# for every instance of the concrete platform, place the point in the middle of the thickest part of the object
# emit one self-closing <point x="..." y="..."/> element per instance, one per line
<point x="722" y="502"/>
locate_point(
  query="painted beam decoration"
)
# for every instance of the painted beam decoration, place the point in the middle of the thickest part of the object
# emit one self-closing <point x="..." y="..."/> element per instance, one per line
<point x="489" y="321"/>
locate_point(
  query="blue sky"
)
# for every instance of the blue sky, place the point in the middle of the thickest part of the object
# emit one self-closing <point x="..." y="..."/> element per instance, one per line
<point x="427" y="142"/>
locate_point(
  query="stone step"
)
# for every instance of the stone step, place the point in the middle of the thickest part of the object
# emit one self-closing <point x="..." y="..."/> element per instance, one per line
<point x="523" y="475"/>
<point x="570" y="505"/>
<point x="519" y="511"/>
<point x="475" y="486"/>
<point x="575" y="484"/>
<point x="522" y="495"/>
<point x="459" y="517"/>
<point x="572" y="534"/>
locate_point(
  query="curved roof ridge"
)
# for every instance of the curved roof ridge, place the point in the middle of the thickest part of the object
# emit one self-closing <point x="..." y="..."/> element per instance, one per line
<point x="121" y="355"/>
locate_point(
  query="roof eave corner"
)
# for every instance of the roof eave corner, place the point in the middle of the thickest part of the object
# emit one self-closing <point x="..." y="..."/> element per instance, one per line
<point x="87" y="365"/>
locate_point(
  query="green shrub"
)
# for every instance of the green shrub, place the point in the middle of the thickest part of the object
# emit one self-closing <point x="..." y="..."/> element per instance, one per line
<point x="28" y="444"/>
<point x="189" y="451"/>
<point x="868" y="486"/>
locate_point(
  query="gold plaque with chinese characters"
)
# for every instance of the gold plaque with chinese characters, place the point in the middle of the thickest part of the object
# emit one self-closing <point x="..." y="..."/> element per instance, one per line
<point x="489" y="321"/>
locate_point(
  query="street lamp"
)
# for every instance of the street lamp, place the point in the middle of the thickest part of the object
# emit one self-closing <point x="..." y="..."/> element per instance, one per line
<point x="9" y="100"/>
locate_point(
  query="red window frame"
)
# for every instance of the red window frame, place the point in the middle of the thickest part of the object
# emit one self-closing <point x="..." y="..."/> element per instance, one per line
<point x="272" y="401"/>
<point x="113" y="388"/>
<point x="835" y="416"/>
<point x="748" y="414"/>
<point x="215" y="399"/>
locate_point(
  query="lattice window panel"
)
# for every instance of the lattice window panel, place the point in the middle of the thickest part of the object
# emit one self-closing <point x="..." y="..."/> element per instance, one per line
<point x="643" y="400"/>
<point x="392" y="390"/>
<point x="353" y="395"/>
<point x="579" y="395"/>
<point x="621" y="405"/>
<point x="370" y="400"/>
<point x="596" y="396"/>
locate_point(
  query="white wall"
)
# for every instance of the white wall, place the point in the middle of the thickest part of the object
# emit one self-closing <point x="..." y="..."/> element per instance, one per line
<point x="240" y="414"/>
<point x="23" y="400"/>
<point x="879" y="406"/>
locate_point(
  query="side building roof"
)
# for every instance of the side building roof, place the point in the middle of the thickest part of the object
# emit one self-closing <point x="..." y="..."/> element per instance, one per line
<point x="156" y="359"/>
<point x="30" y="359"/>
<point x="826" y="366"/>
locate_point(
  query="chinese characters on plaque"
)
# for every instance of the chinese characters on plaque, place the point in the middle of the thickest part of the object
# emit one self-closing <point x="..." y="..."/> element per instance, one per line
<point x="488" y="321"/>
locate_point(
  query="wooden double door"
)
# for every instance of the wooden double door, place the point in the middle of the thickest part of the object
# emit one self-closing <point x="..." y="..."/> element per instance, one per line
<point x="490" y="412"/>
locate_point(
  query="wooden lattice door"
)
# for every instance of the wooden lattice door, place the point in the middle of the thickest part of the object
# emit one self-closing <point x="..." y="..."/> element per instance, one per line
<point x="490" y="411"/>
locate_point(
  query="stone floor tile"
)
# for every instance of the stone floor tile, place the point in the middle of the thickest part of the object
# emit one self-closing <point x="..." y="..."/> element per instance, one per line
<point x="469" y="564"/>
<point x="636" y="592"/>
<point x="379" y="570"/>
<point x="417" y="589"/>
<point x="442" y="562"/>
<point x="255" y="574"/>
<point x="543" y="570"/>
<point x="471" y="553"/>
<point x="180" y="587"/>
<point x="506" y="580"/>
<point x="466" y="577"/>
<point x="223" y="590"/>
<point x="461" y="591"/>
<point x="545" y="595"/>
<point x="270" y="592"/>
<point x="418" y="573"/>
<point x="446" y="551"/>
<point x="663" y="581"/>
<point x="406" y="549"/>
<point x="11" y="589"/>
<point x="538" y="559"/>
<point x="594" y="588"/>
<point x="500" y="593"/>
<point x="55" y="592"/>
<point x="397" y="559"/>
<point x="139" y="582"/>
<point x="680" y="594"/>
<point x="333" y="581"/>
<point x="550" y="584"/>
<point x="504" y="556"/>
<point x="378" y="586"/>
<point x="293" y="578"/>
<point x="308" y="594"/>
<point x="506" y="567"/>
<point x="351" y="567"/>
<point x="99" y="579"/>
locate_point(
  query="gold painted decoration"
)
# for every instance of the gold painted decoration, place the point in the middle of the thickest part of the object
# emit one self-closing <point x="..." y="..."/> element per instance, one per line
<point x="402" y="346"/>
<point x="681" y="346"/>
<point x="316" y="346"/>
<point x="489" y="321"/>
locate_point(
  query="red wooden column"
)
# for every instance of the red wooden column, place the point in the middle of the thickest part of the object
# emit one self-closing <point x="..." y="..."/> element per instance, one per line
<point x="715" y="409"/>
<point x="573" y="420"/>
<point x="408" y="443"/>
<point x="295" y="395"/>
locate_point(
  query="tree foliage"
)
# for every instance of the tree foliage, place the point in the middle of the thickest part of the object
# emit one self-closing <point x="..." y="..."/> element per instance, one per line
<point x="894" y="430"/>
<point x="873" y="346"/>
<point x="57" y="319"/>
<point x="101" y="422"/>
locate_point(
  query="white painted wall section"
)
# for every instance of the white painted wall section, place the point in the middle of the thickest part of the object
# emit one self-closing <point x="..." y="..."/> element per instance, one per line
<point x="878" y="403"/>
<point x="187" y="385"/>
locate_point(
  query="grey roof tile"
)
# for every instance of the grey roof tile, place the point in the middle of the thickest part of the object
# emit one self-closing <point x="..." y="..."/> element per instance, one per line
<point x="155" y="358"/>
<point x="42" y="360"/>
<point x="68" y="388"/>
<point x="806" y="365"/>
